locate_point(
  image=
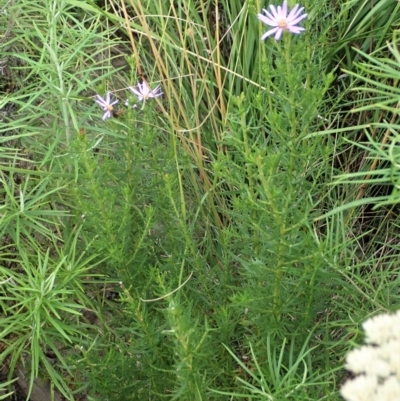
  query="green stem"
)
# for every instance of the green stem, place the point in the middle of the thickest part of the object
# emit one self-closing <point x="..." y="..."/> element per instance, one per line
<point x="278" y="214"/>
<point x="249" y="169"/>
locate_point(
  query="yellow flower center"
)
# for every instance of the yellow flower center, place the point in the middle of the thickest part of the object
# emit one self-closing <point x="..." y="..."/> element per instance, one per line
<point x="282" y="24"/>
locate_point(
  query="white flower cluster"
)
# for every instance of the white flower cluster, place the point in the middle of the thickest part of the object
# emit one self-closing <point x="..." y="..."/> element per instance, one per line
<point x="377" y="363"/>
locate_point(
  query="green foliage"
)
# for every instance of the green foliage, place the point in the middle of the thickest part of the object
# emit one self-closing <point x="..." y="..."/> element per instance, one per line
<point x="227" y="238"/>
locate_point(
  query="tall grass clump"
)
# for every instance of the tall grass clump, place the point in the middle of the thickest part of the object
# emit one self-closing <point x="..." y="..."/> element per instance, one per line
<point x="221" y="240"/>
<point x="46" y="266"/>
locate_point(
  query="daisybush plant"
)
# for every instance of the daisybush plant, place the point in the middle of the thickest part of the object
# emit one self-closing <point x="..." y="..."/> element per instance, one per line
<point x="265" y="168"/>
<point x="271" y="260"/>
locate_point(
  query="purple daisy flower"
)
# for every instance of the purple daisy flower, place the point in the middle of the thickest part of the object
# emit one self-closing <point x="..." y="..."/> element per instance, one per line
<point x="106" y="105"/>
<point x="143" y="92"/>
<point x="279" y="19"/>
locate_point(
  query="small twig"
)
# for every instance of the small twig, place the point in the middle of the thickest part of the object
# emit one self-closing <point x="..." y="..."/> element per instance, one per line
<point x="10" y="279"/>
<point x="9" y="2"/>
<point x="132" y="40"/>
<point x="170" y="293"/>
